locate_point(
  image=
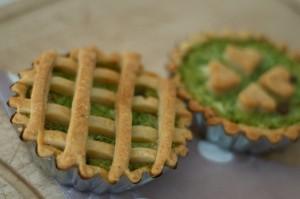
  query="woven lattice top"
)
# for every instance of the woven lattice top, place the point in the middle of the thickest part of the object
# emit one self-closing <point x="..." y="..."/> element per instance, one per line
<point x="101" y="113"/>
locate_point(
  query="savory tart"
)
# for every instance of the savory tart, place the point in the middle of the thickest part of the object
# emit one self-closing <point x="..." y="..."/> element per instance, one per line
<point x="243" y="82"/>
<point x="101" y="113"/>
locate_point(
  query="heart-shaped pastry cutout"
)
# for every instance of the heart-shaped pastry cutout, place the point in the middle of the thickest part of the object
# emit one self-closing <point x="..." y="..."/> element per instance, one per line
<point x="244" y="59"/>
<point x="278" y="81"/>
<point x="256" y="98"/>
<point x="221" y="77"/>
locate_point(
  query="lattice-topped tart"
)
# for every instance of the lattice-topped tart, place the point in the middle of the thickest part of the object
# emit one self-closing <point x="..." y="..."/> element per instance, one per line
<point x="242" y="81"/>
<point x="101" y="113"/>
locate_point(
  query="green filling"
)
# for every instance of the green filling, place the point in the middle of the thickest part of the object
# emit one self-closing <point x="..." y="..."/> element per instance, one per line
<point x="144" y="145"/>
<point x="59" y="73"/>
<point x="56" y="126"/>
<point x="145" y="119"/>
<point x="194" y="76"/>
<point x="108" y="86"/>
<point x="101" y="138"/>
<point x="134" y="166"/>
<point x="57" y="98"/>
<point x="103" y="111"/>
<point x="109" y="140"/>
<point x="105" y="164"/>
<point x="150" y="93"/>
<point x="146" y="92"/>
<point x="96" y="109"/>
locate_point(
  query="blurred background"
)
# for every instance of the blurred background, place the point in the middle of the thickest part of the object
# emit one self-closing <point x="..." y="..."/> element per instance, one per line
<point x="152" y="28"/>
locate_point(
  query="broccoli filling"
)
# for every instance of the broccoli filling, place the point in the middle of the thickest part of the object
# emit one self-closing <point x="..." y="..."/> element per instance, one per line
<point x="194" y="77"/>
<point x="146" y="92"/>
<point x="105" y="164"/>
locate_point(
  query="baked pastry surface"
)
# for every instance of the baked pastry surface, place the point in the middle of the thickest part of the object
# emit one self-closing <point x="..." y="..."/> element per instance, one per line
<point x="101" y="113"/>
<point x="256" y="89"/>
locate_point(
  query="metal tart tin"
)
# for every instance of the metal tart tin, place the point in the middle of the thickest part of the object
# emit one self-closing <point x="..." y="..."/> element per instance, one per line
<point x="239" y="142"/>
<point x="71" y="177"/>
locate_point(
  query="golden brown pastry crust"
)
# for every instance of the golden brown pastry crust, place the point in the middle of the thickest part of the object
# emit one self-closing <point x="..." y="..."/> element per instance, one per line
<point x="246" y="60"/>
<point x="221" y="78"/>
<point x="130" y="69"/>
<point x="277" y="80"/>
<point x="212" y="118"/>
<point x="253" y="97"/>
<point x="166" y="121"/>
<point x="75" y="150"/>
<point x="71" y="149"/>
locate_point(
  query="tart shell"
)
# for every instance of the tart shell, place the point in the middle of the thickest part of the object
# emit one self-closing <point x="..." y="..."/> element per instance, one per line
<point x="49" y="146"/>
<point x="228" y="132"/>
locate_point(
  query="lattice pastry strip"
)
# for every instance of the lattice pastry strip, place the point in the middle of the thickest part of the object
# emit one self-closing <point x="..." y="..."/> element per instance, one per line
<point x="74" y="147"/>
<point x="129" y="71"/>
<point x="35" y="126"/>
